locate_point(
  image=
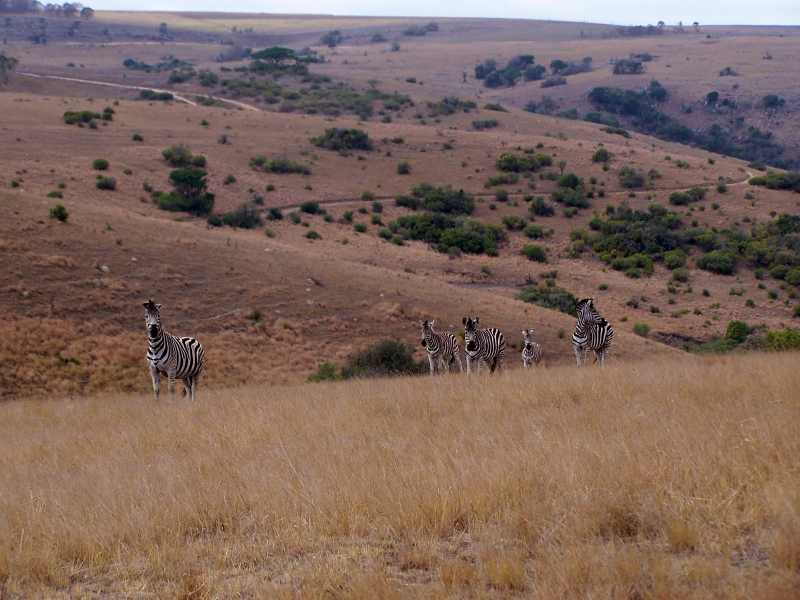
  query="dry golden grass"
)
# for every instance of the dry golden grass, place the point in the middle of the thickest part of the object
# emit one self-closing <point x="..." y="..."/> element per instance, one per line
<point x="654" y="479"/>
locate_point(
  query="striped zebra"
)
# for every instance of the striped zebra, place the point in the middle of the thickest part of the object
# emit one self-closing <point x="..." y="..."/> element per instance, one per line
<point x="487" y="345"/>
<point x="176" y="357"/>
<point x="531" y="351"/>
<point x="592" y="332"/>
<point x="443" y="348"/>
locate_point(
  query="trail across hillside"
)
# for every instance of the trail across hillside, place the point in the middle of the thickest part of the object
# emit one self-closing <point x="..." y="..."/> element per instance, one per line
<point x="178" y="97"/>
<point x="352" y="200"/>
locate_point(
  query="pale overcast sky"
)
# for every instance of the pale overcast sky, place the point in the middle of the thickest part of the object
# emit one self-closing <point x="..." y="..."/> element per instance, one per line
<point x="766" y="12"/>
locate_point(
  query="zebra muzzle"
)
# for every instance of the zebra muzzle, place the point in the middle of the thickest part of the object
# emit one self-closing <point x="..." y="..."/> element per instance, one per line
<point x="424" y="343"/>
<point x="472" y="346"/>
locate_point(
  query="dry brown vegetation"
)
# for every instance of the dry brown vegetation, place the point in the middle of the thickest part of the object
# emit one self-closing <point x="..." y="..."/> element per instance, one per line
<point x="660" y="479"/>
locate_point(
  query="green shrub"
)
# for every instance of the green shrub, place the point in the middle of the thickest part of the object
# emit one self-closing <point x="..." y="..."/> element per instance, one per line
<point x="534" y="232"/>
<point x="153" y="95"/>
<point x="403" y="168"/>
<point x="438" y="199"/>
<point x="444" y="232"/>
<point x="313" y="235"/>
<point x="513" y="223"/>
<point x="80" y="117"/>
<point x="501" y="196"/>
<point x="179" y="155"/>
<point x="341" y="140"/>
<point x="481" y="124"/>
<point x="55" y="194"/>
<point x="229" y="179"/>
<point x="571" y="198"/>
<point x="360" y="228"/>
<point x="778" y="181"/>
<point x="280" y="166"/>
<point x="60" y="213"/>
<point x="601" y="155"/>
<point x="189" y="193"/>
<point x="784" y="339"/>
<point x="675" y="259"/>
<point x="680" y="274"/>
<point x="630" y="178"/>
<point x="688" y="197"/>
<point x="550" y="296"/>
<point x="311" y="208"/>
<point x="534" y="252"/>
<point x="722" y="262"/>
<point x="274" y="214"/>
<point x="385" y="358"/>
<point x="501" y="179"/>
<point x="792" y="276"/>
<point x="106" y="183"/>
<point x="100" y="164"/>
<point x="641" y="329"/>
<point x="514" y="163"/>
<point x="325" y="372"/>
<point x="540" y="208"/>
<point x="246" y="216"/>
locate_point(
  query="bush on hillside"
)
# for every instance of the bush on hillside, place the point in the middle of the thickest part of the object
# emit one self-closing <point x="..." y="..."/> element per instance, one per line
<point x="341" y="140"/>
<point x="384" y="358"/>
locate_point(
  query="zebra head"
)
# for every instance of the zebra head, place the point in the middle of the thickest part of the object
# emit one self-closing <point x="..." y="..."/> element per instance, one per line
<point x="586" y="311"/>
<point x="427" y="331"/>
<point x="471" y="332"/>
<point x="152" y="318"/>
<point x="527" y="339"/>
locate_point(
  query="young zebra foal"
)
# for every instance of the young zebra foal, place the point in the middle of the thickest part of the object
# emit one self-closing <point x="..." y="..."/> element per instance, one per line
<point x="592" y="332"/>
<point x="175" y="357"/>
<point x="443" y="349"/>
<point x="531" y="351"/>
<point x="487" y="345"/>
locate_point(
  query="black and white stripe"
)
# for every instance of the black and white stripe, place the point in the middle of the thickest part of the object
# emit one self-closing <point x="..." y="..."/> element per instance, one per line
<point x="592" y="333"/>
<point x="531" y="350"/>
<point x="443" y="348"/>
<point x="176" y="357"/>
<point x="483" y="345"/>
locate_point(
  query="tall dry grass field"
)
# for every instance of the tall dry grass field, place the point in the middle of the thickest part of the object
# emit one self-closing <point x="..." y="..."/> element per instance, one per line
<point x="646" y="480"/>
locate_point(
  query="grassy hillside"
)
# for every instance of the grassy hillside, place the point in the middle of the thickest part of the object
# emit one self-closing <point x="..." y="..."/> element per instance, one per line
<point x="660" y="479"/>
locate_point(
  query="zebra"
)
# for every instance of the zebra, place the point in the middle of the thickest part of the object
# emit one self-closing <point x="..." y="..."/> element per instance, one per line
<point x="175" y="357"/>
<point x="443" y="348"/>
<point x="487" y="345"/>
<point x="592" y="332"/>
<point x="531" y="351"/>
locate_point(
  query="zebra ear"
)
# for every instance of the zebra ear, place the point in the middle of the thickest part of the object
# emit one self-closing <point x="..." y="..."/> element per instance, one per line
<point x="464" y="321"/>
<point x="477" y="320"/>
<point x="158" y="307"/>
<point x="433" y="322"/>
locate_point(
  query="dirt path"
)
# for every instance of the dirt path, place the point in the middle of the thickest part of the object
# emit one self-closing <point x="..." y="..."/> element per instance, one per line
<point x="178" y="97"/>
<point x="335" y="201"/>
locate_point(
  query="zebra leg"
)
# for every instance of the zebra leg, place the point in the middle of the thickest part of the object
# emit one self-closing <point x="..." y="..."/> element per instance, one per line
<point x="469" y="365"/>
<point x="430" y="363"/>
<point x="578" y="351"/>
<point x="156" y="377"/>
<point x="171" y="385"/>
<point x="460" y="366"/>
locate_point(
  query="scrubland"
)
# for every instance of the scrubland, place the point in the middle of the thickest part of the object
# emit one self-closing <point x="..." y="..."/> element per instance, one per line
<point x="670" y="478"/>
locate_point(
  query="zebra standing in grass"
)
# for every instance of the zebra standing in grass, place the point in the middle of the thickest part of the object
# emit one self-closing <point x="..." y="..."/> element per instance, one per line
<point x="487" y="345"/>
<point x="592" y="332"/>
<point x="175" y="357"/>
<point x="531" y="351"/>
<point x="443" y="349"/>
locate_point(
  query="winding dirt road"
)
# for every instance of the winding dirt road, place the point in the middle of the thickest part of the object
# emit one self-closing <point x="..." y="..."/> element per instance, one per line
<point x="177" y="97"/>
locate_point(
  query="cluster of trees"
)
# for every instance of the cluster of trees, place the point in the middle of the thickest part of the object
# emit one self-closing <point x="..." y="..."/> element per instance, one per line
<point x="628" y="66"/>
<point x="67" y="9"/>
<point x="641" y="107"/>
<point x="524" y="67"/>
<point x="420" y="30"/>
